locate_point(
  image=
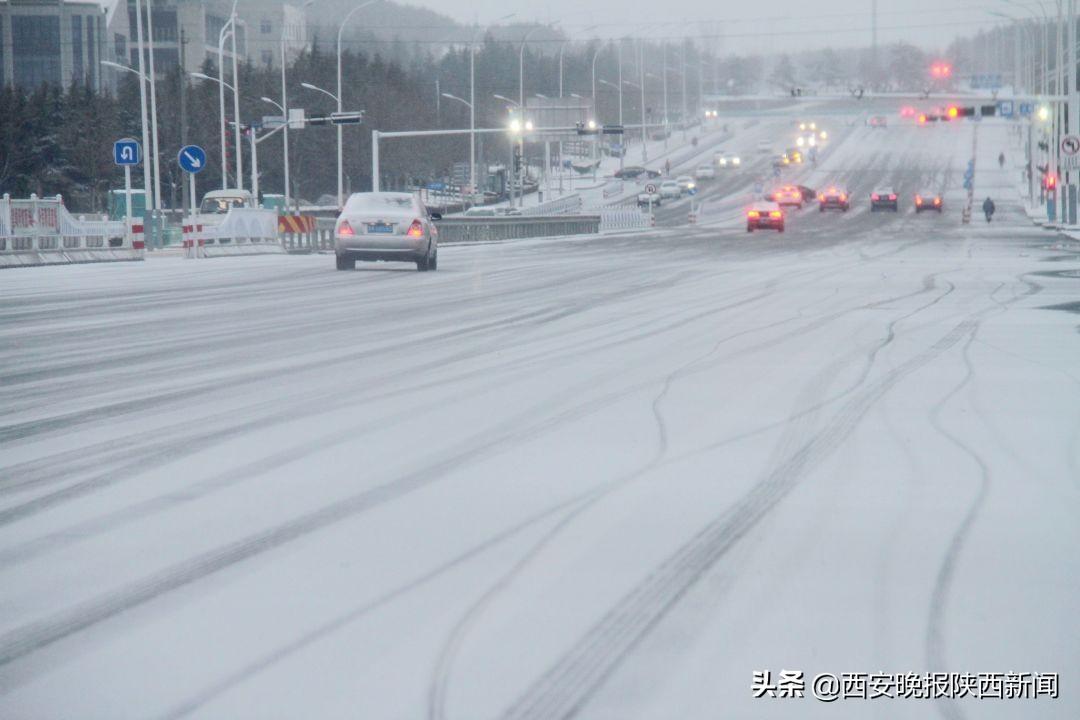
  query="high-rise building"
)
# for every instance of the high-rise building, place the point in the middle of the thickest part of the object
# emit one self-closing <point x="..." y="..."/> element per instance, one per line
<point x="191" y="29"/>
<point x="53" y="41"/>
<point x="60" y="41"/>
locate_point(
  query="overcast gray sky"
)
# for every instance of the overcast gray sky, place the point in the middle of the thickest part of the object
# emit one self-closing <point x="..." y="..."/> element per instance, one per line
<point x="748" y="26"/>
<point x="742" y="26"/>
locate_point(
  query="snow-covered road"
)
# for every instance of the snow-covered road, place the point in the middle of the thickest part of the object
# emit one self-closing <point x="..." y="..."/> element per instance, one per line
<point x="601" y="477"/>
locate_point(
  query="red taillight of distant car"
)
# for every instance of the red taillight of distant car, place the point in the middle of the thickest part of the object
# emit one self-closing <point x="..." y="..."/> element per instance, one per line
<point x="843" y="197"/>
<point x="775" y="214"/>
<point x="937" y="201"/>
<point x="416" y="229"/>
<point x="875" y="196"/>
<point x="918" y="200"/>
<point x="345" y="229"/>
<point x="753" y="214"/>
<point x="892" y="197"/>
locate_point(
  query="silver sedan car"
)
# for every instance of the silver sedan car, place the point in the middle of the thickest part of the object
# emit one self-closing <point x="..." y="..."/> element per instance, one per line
<point x="385" y="226"/>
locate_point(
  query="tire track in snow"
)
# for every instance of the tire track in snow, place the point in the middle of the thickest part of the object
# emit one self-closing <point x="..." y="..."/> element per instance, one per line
<point x="438" y="686"/>
<point x="564" y="689"/>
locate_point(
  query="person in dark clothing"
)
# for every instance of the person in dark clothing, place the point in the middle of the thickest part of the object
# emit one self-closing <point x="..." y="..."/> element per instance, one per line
<point x="988" y="208"/>
<point x="1001" y="160"/>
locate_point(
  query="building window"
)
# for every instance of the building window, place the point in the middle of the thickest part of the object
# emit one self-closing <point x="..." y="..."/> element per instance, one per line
<point x="92" y="25"/>
<point x="265" y="27"/>
<point x="77" y="69"/>
<point x="35" y="49"/>
<point x="165" y="26"/>
<point x="120" y="43"/>
<point x="268" y="57"/>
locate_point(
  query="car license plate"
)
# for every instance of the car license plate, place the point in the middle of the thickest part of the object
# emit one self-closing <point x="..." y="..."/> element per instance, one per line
<point x="380" y="228"/>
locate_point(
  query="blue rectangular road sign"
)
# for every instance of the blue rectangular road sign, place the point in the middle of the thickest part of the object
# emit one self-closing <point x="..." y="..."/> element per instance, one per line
<point x="1027" y="108"/>
<point x="1005" y="108"/>
<point x="126" y="152"/>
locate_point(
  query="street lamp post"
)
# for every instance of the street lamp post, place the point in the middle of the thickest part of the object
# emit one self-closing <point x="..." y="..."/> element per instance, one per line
<point x="472" y="135"/>
<point x="147" y="190"/>
<point x="644" y="132"/>
<point x="340" y="137"/>
<point x="223" y="35"/>
<point x="236" y="102"/>
<point x="153" y="104"/>
<point x="285" y="104"/>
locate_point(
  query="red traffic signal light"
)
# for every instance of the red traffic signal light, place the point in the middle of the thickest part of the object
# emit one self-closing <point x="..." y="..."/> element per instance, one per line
<point x="1049" y="181"/>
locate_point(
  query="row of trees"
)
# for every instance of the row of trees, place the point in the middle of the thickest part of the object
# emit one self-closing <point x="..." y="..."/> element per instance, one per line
<point x="59" y="140"/>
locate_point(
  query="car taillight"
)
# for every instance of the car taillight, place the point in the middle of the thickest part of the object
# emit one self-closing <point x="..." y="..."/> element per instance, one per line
<point x="843" y="197"/>
<point x="937" y="201"/>
<point x="918" y="200"/>
<point x="416" y="229"/>
<point x="775" y="214"/>
<point x="875" y="197"/>
<point x="345" y="229"/>
<point x="753" y="214"/>
<point x="893" y="196"/>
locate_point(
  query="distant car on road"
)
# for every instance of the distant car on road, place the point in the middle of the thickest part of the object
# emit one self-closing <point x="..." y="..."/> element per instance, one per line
<point x="220" y="202"/>
<point x="387" y="226"/>
<point x="884" y="199"/>
<point x="631" y="172"/>
<point x="787" y="195"/>
<point x="686" y="183"/>
<point x="878" y="121"/>
<point x="927" y="201"/>
<point x="765" y="216"/>
<point x="647" y="198"/>
<point x="833" y="198"/>
<point x="670" y="190"/>
<point x="724" y="160"/>
<point x="705" y="172"/>
<point x="794" y="155"/>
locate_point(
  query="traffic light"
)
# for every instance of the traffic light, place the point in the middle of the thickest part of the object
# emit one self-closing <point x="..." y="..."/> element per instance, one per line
<point x="1049" y="181"/>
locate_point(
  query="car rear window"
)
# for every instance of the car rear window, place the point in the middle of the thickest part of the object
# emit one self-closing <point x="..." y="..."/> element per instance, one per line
<point x="382" y="202"/>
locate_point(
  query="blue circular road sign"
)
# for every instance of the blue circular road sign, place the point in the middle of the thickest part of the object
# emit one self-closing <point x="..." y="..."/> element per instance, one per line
<point x="192" y="158"/>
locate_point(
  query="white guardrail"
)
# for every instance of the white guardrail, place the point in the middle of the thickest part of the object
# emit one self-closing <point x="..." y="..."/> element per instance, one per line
<point x="623" y="219"/>
<point x="242" y="231"/>
<point x="569" y="205"/>
<point x="40" y="231"/>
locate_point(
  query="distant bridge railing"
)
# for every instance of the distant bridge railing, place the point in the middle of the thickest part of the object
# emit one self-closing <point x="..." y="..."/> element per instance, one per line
<point x="452" y="230"/>
<point x="569" y="205"/>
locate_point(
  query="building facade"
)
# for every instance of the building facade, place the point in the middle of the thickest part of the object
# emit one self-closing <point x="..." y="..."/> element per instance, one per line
<point x="53" y="42"/>
<point x="58" y="42"/>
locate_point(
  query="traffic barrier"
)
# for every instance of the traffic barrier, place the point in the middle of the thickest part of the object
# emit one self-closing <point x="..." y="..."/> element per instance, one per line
<point x="460" y="229"/>
<point x="569" y="205"/>
<point x="613" y="188"/>
<point x="40" y="231"/>
<point x="624" y="219"/>
<point x="243" y="231"/>
<point x="300" y="233"/>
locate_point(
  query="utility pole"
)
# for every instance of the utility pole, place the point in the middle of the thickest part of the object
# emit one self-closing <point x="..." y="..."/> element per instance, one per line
<point x="1073" y="100"/>
<point x="873" y="32"/>
<point x="184" y="200"/>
